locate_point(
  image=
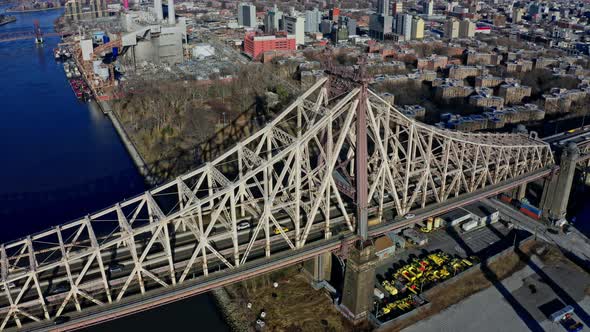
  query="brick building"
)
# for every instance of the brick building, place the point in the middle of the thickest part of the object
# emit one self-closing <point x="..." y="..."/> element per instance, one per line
<point x="488" y="81"/>
<point x="514" y="93"/>
<point x="484" y="97"/>
<point x="462" y="72"/>
<point x="432" y="62"/>
<point x="255" y="45"/>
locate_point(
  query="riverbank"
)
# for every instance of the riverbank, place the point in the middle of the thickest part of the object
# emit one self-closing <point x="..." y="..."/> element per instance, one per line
<point x="13" y="10"/>
<point x="129" y="146"/>
<point x="7" y="19"/>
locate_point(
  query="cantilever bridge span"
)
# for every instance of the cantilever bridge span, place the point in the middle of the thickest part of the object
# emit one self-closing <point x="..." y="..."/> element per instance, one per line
<point x="335" y="157"/>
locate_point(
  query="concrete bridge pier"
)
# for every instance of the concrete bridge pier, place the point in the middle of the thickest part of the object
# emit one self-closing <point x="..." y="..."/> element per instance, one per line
<point x="519" y="192"/>
<point x="319" y="268"/>
<point x="359" y="280"/>
<point x="557" y="188"/>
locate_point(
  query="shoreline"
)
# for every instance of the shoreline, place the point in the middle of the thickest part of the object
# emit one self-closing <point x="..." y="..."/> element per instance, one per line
<point x="18" y="11"/>
<point x="11" y="19"/>
<point x="129" y="146"/>
<point x="221" y="297"/>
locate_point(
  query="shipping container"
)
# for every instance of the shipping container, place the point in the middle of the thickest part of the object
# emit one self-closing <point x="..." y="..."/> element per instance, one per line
<point x="530" y="213"/>
<point x="505" y="198"/>
<point x="466" y="227"/>
<point x="531" y="208"/>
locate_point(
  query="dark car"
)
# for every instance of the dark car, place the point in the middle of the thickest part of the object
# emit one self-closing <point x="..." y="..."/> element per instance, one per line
<point x="571" y="325"/>
<point x="60" y="320"/>
<point x="61" y="288"/>
<point x="552" y="231"/>
<point x="116" y="268"/>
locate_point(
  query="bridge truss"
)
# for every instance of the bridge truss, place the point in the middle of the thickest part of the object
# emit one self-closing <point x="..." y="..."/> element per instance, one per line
<point x="293" y="182"/>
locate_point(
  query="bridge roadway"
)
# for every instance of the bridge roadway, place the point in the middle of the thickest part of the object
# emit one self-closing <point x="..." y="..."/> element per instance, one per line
<point x="24" y="35"/>
<point x="163" y="295"/>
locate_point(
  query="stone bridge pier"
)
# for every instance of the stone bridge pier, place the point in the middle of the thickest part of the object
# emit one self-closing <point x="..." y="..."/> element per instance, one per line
<point x="557" y="188"/>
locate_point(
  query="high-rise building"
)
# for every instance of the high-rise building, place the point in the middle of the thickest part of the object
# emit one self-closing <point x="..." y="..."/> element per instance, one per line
<point x="295" y="25"/>
<point x="326" y="27"/>
<point x="383" y="7"/>
<point x="397" y="7"/>
<point x="349" y="24"/>
<point x="417" y="28"/>
<point x="272" y="20"/>
<point x="466" y="29"/>
<point x="428" y="7"/>
<point x="334" y="14"/>
<point x="517" y="14"/>
<point x="379" y="26"/>
<point x="77" y="10"/>
<point x="403" y="25"/>
<point x="452" y="29"/>
<point x="312" y="20"/>
<point x="246" y="15"/>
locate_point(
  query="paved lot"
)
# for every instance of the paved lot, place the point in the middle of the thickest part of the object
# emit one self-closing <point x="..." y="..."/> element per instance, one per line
<point x="478" y="240"/>
<point x="521" y="302"/>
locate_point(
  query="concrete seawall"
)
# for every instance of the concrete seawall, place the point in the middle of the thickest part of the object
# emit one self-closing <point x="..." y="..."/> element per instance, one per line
<point x="135" y="156"/>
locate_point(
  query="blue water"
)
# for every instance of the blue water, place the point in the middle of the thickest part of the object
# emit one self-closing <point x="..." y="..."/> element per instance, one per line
<point x="61" y="159"/>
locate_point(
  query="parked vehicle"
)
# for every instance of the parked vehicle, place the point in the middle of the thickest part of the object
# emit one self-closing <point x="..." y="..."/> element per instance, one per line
<point x="552" y="231"/>
<point x="466" y="227"/>
<point x="378" y="293"/>
<point x="570" y="324"/>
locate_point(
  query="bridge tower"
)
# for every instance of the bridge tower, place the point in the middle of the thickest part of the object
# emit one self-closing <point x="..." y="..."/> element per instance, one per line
<point x="38" y="33"/>
<point x="359" y="279"/>
<point x="556" y="191"/>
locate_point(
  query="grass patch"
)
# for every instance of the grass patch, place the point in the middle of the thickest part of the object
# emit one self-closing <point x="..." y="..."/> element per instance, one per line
<point x="293" y="306"/>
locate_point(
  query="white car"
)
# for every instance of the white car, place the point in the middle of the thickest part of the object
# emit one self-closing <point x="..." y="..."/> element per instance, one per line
<point x="243" y="225"/>
<point x="409" y="216"/>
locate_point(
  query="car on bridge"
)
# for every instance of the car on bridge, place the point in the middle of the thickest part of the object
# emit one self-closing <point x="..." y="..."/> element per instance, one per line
<point x="114" y="268"/>
<point x="278" y="231"/>
<point x="243" y="225"/>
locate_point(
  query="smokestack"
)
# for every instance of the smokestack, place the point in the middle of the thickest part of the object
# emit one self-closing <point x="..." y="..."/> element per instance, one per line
<point x="171" y="13"/>
<point x="158" y="10"/>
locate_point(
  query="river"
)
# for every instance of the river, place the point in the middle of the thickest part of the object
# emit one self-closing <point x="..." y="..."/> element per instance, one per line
<point x="63" y="159"/>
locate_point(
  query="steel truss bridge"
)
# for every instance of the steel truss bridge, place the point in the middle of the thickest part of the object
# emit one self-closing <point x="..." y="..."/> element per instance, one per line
<point x="306" y="183"/>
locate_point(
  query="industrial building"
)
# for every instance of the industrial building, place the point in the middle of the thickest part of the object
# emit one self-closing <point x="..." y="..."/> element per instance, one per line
<point x="151" y="39"/>
<point x="255" y="45"/>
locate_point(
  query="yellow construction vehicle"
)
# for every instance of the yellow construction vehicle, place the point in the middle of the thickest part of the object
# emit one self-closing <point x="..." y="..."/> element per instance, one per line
<point x="389" y="287"/>
<point x="466" y="262"/>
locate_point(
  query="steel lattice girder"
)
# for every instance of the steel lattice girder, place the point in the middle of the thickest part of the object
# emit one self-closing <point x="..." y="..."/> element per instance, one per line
<point x="292" y="181"/>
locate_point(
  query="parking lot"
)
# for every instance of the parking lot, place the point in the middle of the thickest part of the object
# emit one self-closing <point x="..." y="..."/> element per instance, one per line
<point x="481" y="242"/>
